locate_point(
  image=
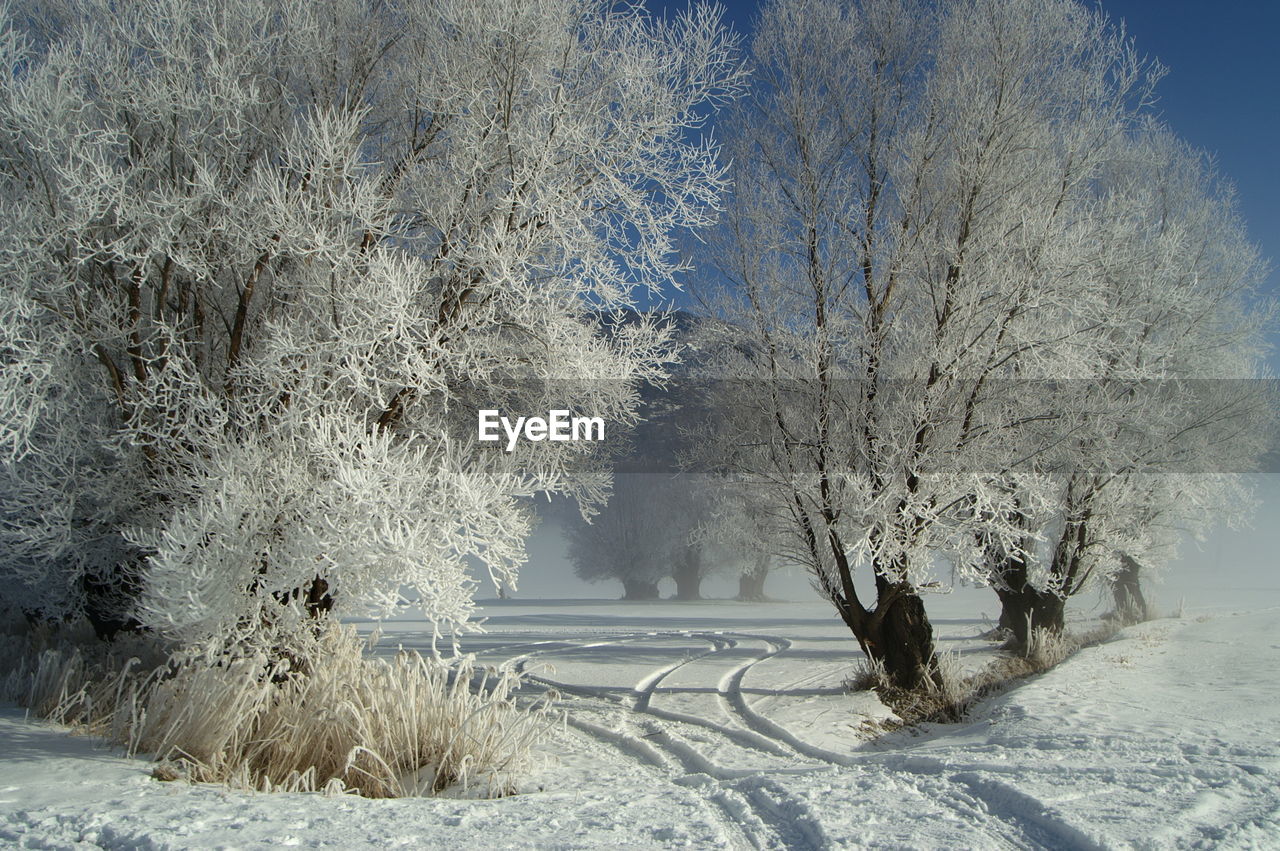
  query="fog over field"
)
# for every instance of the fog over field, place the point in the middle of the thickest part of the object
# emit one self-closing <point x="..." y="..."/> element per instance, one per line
<point x="1228" y="560"/>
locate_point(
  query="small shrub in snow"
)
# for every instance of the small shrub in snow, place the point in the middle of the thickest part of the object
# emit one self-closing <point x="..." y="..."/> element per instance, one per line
<point x="1046" y="648"/>
<point x="868" y="675"/>
<point x="380" y="728"/>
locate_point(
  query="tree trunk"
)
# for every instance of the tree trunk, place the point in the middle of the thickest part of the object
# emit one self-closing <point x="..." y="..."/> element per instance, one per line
<point x="1026" y="609"/>
<point x="688" y="573"/>
<point x="315" y="596"/>
<point x="639" y="589"/>
<point x="109" y="599"/>
<point x="751" y="581"/>
<point x="1126" y="588"/>
<point x="1022" y="607"/>
<point x="898" y="634"/>
<point x="319" y="601"/>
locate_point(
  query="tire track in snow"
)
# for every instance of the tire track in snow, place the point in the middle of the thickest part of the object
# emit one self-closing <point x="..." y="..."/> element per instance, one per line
<point x="986" y="803"/>
<point x="1013" y="816"/>
<point x="802" y="828"/>
<point x="642" y="693"/>
<point x="1022" y="812"/>
<point x="520" y="662"/>
<point x="732" y="698"/>
<point x="756" y="811"/>
<point x="765" y="814"/>
<point x="499" y="649"/>
<point x="648" y="686"/>
<point x="641" y="750"/>
<point x="740" y="835"/>
<point x="685" y="767"/>
<point x="645" y="688"/>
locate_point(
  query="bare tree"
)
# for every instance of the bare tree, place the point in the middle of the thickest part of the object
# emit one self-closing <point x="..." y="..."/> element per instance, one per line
<point x="1168" y="417"/>
<point x="904" y="241"/>
<point x="741" y="530"/>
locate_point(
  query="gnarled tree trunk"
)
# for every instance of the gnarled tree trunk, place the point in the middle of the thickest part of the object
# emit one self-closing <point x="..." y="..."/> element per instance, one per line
<point x="1126" y="589"/>
<point x="687" y="572"/>
<point x="751" y="581"/>
<point x="1026" y="609"/>
<point x="639" y="589"/>
<point x="900" y="636"/>
<point x="896" y="632"/>
<point x="1022" y="607"/>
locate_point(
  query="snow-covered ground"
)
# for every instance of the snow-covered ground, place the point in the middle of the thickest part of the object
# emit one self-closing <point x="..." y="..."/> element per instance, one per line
<point x="714" y="725"/>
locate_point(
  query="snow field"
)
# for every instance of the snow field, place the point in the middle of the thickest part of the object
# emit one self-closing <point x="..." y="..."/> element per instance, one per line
<point x="724" y="725"/>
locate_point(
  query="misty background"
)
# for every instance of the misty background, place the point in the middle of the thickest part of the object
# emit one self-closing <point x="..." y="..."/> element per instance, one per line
<point x="1226" y="562"/>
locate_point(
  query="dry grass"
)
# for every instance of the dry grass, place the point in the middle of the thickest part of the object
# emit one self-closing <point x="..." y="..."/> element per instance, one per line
<point x="868" y="675"/>
<point x="949" y="695"/>
<point x="1128" y="613"/>
<point x="944" y="697"/>
<point x="1047" y="648"/>
<point x="380" y="728"/>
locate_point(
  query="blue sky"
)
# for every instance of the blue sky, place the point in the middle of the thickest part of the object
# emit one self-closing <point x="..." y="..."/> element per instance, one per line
<point x="1222" y="92"/>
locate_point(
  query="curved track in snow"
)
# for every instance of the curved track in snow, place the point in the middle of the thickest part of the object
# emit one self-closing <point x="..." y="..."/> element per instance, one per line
<point x="745" y="728"/>
<point x="715" y="730"/>
<point x="747" y="797"/>
<point x="753" y="808"/>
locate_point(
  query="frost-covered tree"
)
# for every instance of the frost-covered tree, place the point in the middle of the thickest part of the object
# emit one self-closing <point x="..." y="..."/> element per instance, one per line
<point x="748" y="539"/>
<point x="905" y="240"/>
<point x="627" y="540"/>
<point x="653" y="527"/>
<point x="264" y="260"/>
<point x="740" y="530"/>
<point x="1168" y="416"/>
